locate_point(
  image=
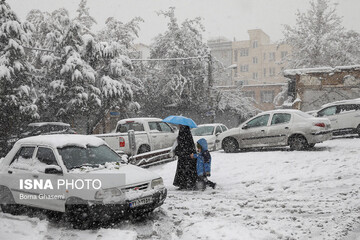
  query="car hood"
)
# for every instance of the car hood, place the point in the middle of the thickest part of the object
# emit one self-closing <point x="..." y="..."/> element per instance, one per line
<point x="113" y="175"/>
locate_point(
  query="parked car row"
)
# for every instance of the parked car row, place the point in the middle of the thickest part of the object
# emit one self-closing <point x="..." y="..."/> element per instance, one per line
<point x="292" y="128"/>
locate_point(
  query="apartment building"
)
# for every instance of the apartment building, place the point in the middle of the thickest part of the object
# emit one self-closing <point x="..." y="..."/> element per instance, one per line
<point x="258" y="60"/>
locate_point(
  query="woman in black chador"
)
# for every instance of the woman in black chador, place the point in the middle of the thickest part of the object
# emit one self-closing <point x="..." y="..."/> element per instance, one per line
<point x="185" y="176"/>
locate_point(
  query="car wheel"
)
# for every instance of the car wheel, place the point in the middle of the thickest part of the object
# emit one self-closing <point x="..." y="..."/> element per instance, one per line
<point x="310" y="145"/>
<point x="230" y="145"/>
<point x="78" y="215"/>
<point x="297" y="143"/>
<point x="144" y="149"/>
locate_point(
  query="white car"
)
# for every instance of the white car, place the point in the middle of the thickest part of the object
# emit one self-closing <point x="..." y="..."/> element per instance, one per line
<point x="343" y="115"/>
<point x="77" y="175"/>
<point x="285" y="127"/>
<point x="150" y="134"/>
<point x="211" y="133"/>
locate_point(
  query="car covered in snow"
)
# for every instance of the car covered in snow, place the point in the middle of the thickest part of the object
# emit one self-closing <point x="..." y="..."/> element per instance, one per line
<point x="211" y="133"/>
<point x="286" y="127"/>
<point x="343" y="115"/>
<point x="78" y="175"/>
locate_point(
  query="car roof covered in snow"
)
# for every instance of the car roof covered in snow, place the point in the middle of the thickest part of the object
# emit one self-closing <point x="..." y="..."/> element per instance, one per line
<point x="62" y="140"/>
<point x="142" y="120"/>
<point x="282" y="111"/>
<point x="39" y="124"/>
<point x="349" y="101"/>
<point x="209" y="125"/>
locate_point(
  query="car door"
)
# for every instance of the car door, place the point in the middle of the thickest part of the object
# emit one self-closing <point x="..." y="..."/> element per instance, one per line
<point x="161" y="135"/>
<point x="253" y="133"/>
<point x="331" y="114"/>
<point x="46" y="160"/>
<point x="348" y="116"/>
<point x="169" y="135"/>
<point x="18" y="171"/>
<point x="156" y="136"/>
<point x="279" y="129"/>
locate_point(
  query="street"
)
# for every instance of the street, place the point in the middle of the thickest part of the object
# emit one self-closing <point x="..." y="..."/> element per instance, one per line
<point x="267" y="194"/>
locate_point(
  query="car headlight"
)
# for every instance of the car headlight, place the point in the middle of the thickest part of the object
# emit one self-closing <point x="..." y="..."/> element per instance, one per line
<point x="157" y="183"/>
<point x="105" y="193"/>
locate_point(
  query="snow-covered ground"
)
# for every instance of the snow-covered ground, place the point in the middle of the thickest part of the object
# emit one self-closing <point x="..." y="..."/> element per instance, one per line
<point x="273" y="194"/>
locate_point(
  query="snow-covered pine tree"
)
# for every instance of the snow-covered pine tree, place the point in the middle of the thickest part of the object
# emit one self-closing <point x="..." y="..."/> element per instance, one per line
<point x="17" y="95"/>
<point x="318" y="38"/>
<point x="235" y="101"/>
<point x="114" y="73"/>
<point x="84" y="18"/>
<point x="179" y="82"/>
<point x="72" y="90"/>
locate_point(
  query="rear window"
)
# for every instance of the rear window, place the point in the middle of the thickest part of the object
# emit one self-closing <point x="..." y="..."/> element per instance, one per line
<point x="125" y="127"/>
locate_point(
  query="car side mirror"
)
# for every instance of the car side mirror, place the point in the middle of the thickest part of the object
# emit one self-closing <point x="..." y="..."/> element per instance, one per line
<point x="245" y="127"/>
<point x="53" y="170"/>
<point x="217" y="134"/>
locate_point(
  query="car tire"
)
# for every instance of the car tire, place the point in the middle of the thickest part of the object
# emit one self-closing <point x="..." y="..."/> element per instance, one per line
<point x="230" y="145"/>
<point x="78" y="215"/>
<point x="143" y="149"/>
<point x="310" y="145"/>
<point x="297" y="143"/>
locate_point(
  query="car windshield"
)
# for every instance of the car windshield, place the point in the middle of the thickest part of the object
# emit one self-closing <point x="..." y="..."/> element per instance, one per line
<point x="202" y="131"/>
<point x="74" y="156"/>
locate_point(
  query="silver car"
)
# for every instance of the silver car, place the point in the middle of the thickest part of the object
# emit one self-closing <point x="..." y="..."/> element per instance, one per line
<point x="286" y="127"/>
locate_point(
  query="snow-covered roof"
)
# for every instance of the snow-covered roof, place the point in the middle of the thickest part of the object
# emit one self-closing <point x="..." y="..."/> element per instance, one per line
<point x="301" y="71"/>
<point x="39" y="124"/>
<point x="138" y="120"/>
<point x="62" y="140"/>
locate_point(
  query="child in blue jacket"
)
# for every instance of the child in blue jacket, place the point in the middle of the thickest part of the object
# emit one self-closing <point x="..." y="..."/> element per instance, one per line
<point x="203" y="164"/>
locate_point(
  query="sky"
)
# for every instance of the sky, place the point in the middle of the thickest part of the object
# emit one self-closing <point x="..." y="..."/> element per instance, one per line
<point x="227" y="18"/>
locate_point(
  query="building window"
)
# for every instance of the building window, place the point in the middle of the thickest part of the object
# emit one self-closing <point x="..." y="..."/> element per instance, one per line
<point x="283" y="55"/>
<point x="255" y="60"/>
<point x="255" y="75"/>
<point x="244" y="52"/>
<point x="272" y="71"/>
<point x="255" y="44"/>
<point x="244" y="68"/>
<point x="235" y="55"/>
<point x="250" y="94"/>
<point x="264" y="72"/>
<point x="272" y="56"/>
<point x="267" y="96"/>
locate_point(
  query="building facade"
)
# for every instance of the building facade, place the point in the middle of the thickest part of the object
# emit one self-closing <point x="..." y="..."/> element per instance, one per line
<point x="258" y="60"/>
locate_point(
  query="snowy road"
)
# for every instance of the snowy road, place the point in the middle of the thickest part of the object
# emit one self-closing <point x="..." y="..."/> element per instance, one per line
<point x="274" y="194"/>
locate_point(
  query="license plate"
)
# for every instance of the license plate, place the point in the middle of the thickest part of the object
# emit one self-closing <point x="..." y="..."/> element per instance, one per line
<point x="140" y="202"/>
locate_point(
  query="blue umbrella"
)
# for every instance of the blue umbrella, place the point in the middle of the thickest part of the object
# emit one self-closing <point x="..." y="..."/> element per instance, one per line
<point x="180" y="120"/>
